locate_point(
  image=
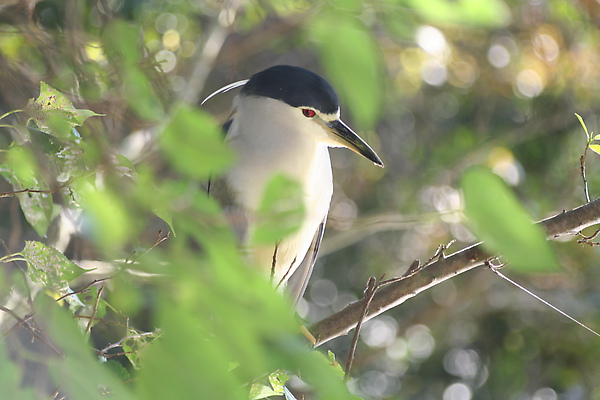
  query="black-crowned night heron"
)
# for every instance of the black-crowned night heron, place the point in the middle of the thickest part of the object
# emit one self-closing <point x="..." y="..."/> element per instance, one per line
<point x="283" y="121"/>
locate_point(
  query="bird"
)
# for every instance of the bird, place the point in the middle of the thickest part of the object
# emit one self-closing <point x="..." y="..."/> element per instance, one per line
<point x="283" y="121"/>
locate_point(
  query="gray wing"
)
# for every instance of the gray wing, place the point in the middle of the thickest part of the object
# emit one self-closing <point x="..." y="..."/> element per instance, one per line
<point x="299" y="280"/>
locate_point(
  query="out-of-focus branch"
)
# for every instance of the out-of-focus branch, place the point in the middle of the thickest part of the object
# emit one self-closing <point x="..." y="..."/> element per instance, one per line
<point x="394" y="294"/>
<point x="205" y="59"/>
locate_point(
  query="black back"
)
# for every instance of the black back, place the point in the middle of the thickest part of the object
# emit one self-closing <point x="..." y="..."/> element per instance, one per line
<point x="295" y="86"/>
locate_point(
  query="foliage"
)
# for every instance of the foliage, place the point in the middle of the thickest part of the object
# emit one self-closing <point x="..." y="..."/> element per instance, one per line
<point x="101" y="157"/>
<point x="497" y="218"/>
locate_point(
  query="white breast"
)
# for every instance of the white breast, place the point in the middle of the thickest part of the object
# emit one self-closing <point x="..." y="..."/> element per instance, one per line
<point x="286" y="145"/>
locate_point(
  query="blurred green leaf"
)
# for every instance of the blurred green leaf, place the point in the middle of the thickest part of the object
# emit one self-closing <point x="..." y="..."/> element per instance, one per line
<point x="122" y="42"/>
<point x="497" y="218"/>
<point x="123" y="46"/>
<point x="140" y="94"/>
<point x="118" y="370"/>
<point x="23" y="168"/>
<point x="185" y="350"/>
<point x="353" y="63"/>
<point x="11" y="377"/>
<point x="154" y="198"/>
<point x="22" y="171"/>
<point x="48" y="266"/>
<point x="107" y="216"/>
<point x="77" y="372"/>
<point x="194" y="143"/>
<point x="281" y="211"/>
<point x="487" y="13"/>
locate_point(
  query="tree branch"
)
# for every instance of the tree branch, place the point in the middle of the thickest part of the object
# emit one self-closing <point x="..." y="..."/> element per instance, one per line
<point x="394" y="294"/>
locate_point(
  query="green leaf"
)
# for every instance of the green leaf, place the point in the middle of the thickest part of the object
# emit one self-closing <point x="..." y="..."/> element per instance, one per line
<point x="587" y="134"/>
<point x="135" y="346"/>
<point x="353" y="62"/>
<point x="12" y="375"/>
<point x="497" y="218"/>
<point x="262" y="391"/>
<point x="277" y="380"/>
<point x="140" y="94"/>
<point x="337" y="367"/>
<point x="48" y="266"/>
<point x="21" y="170"/>
<point x="78" y="372"/>
<point x="595" y="148"/>
<point x="107" y="216"/>
<point x="281" y="210"/>
<point x="118" y="370"/>
<point x="194" y="144"/>
<point x="122" y="42"/>
<point x="55" y="114"/>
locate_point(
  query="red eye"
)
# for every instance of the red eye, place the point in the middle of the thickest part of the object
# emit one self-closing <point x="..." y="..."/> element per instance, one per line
<point x="308" y="113"/>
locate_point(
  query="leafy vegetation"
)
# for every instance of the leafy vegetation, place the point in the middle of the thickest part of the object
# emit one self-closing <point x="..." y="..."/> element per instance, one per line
<point x="121" y="278"/>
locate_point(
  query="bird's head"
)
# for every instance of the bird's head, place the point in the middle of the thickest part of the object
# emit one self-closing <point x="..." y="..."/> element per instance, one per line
<point x="306" y="100"/>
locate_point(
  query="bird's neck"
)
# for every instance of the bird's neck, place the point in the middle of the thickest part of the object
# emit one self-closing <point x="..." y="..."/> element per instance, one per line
<point x="262" y="153"/>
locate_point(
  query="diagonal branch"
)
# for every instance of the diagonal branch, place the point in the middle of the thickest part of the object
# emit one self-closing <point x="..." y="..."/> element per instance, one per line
<point x="564" y="224"/>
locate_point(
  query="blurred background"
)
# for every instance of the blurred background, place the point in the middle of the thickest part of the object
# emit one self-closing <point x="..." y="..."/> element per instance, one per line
<point x="435" y="87"/>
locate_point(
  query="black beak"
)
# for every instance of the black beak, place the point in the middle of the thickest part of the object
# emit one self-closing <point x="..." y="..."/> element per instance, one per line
<point x="351" y="140"/>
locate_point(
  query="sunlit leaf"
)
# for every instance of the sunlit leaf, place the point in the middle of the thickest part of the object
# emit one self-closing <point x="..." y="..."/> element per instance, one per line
<point x="353" y="63"/>
<point x="48" y="266"/>
<point x="193" y="143"/>
<point x="587" y="134"/>
<point x="489" y="13"/>
<point x="278" y="379"/>
<point x="497" y="218"/>
<point x="595" y="148"/>
<point x="281" y="211"/>
<point x="262" y="391"/>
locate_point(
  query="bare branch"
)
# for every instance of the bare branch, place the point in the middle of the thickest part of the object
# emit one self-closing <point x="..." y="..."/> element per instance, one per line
<point x="568" y="223"/>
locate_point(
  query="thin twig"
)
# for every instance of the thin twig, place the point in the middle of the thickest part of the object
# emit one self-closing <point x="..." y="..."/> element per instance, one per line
<point x="535" y="296"/>
<point x="566" y="223"/>
<point x="158" y="241"/>
<point x="585" y="184"/>
<point x="32" y="329"/>
<point x="83" y="289"/>
<point x="370" y="290"/>
<point x="94" y="310"/>
<point x="120" y="343"/>
<point x="587" y="239"/>
<point x="590" y="138"/>
<point x="49" y="191"/>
